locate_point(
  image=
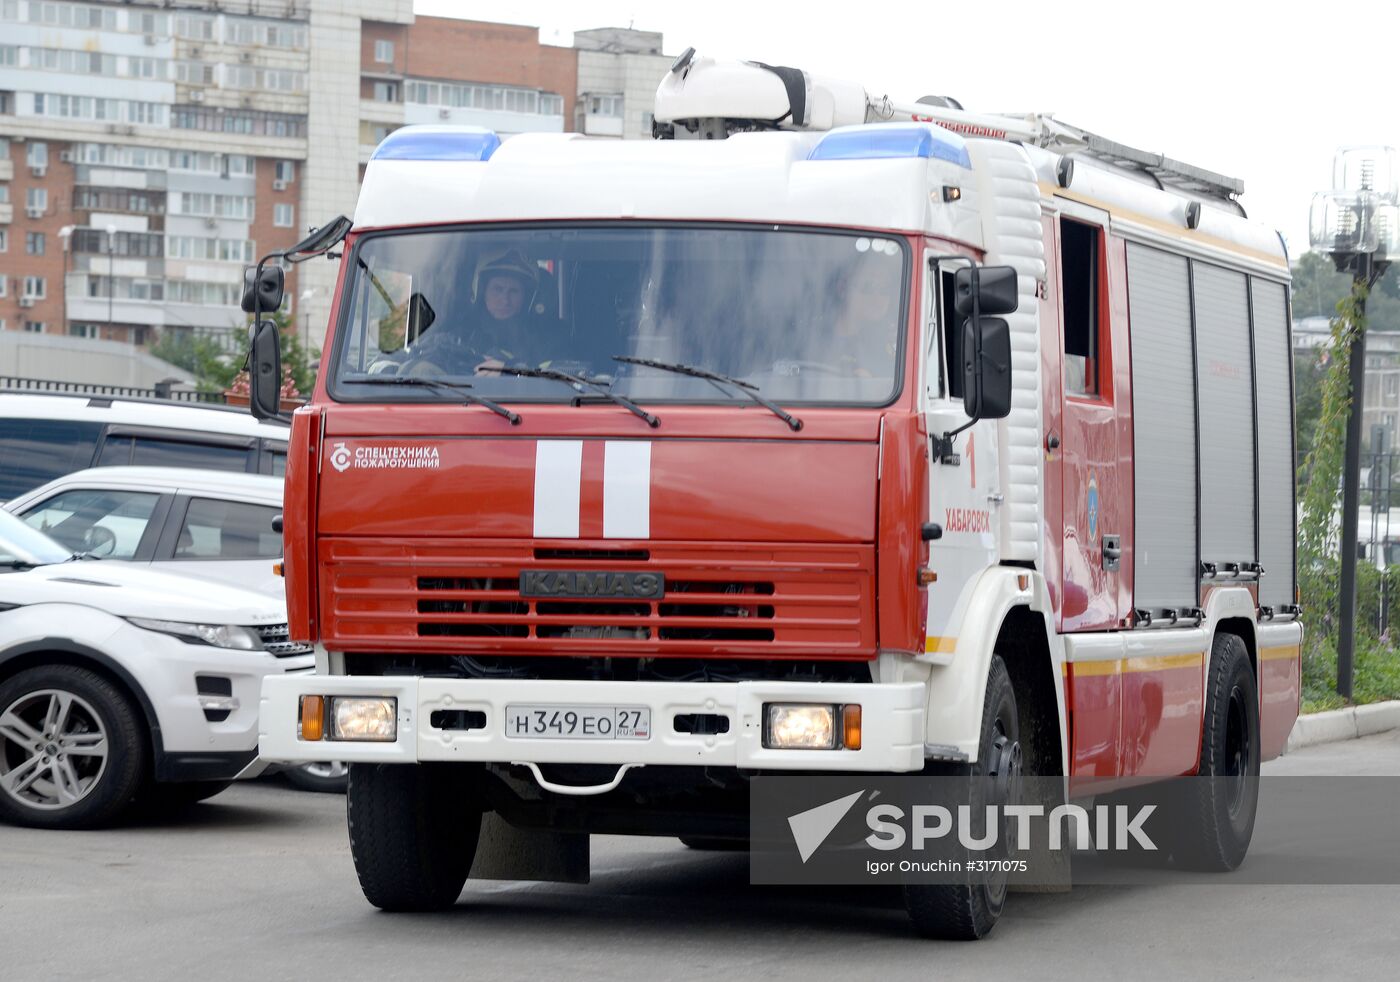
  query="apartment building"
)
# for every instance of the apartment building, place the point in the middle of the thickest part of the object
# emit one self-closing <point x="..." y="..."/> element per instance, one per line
<point x="149" y="150"/>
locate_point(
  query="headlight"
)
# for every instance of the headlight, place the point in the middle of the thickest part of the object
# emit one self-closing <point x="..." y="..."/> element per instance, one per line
<point x="371" y="719"/>
<point x="801" y="727"/>
<point x="216" y="635"/>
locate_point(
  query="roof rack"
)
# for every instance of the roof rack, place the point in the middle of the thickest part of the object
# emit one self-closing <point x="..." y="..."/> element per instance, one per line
<point x="1165" y="171"/>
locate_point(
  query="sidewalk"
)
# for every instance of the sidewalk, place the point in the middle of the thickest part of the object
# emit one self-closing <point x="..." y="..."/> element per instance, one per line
<point x="1344" y="724"/>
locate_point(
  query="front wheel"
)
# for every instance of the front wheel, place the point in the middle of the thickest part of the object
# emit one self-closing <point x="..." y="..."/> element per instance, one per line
<point x="413" y="833"/>
<point x="969" y="910"/>
<point x="72" y="749"/>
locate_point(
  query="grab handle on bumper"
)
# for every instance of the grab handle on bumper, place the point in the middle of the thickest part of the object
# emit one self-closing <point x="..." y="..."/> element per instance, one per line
<point x="576" y="789"/>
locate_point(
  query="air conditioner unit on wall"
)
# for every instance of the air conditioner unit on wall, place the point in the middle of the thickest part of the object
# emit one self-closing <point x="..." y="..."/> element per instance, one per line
<point x="38" y="170"/>
<point x="245" y="56"/>
<point x="26" y="301"/>
<point x="196" y="96"/>
<point x="150" y="39"/>
<point x="211" y="222"/>
<point x="66" y="156"/>
<point x="279" y="185"/>
<point x="34" y="212"/>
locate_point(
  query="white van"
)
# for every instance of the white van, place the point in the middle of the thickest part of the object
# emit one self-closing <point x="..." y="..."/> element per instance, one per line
<point x="44" y="436"/>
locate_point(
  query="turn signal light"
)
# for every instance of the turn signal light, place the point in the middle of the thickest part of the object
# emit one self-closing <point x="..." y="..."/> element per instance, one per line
<point x="850" y="727"/>
<point x="313" y="718"/>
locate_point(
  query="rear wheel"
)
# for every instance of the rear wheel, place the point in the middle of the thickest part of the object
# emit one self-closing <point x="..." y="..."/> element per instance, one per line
<point x="969" y="910"/>
<point x="413" y="833"/>
<point x="1215" y="818"/>
<point x="72" y="749"/>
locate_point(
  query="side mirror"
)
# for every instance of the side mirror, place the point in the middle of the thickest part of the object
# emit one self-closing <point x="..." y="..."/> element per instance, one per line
<point x="988" y="290"/>
<point x="265" y="371"/>
<point x="322" y="239"/>
<point x="986" y="351"/>
<point x="265" y="295"/>
<point x="986" y="341"/>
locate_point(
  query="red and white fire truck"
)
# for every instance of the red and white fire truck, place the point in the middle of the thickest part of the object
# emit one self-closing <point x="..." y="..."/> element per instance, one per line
<point x="821" y="434"/>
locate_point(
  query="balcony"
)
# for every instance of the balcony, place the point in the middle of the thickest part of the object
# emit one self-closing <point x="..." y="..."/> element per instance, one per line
<point x="7" y="213"/>
<point x="7" y="170"/>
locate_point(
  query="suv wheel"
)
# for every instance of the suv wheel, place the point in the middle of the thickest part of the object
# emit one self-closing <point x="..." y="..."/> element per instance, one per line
<point x="72" y="748"/>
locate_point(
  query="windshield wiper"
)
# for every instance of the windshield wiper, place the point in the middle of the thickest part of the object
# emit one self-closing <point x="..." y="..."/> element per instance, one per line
<point x="457" y="388"/>
<point x="572" y="379"/>
<point x="747" y="388"/>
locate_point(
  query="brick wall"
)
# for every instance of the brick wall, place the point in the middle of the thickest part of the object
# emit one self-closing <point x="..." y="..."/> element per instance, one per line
<point x="265" y="235"/>
<point x="505" y="54"/>
<point x="15" y="262"/>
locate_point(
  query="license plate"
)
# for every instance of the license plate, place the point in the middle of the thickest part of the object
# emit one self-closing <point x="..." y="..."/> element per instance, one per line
<point x="579" y="722"/>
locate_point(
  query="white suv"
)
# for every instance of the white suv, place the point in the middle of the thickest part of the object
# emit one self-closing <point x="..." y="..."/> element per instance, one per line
<point x="119" y="682"/>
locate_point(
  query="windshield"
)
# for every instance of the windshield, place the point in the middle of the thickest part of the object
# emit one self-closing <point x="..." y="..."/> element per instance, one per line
<point x="806" y="316"/>
<point x="21" y="544"/>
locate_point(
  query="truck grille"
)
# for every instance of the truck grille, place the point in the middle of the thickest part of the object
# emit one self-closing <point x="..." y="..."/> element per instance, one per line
<point x="277" y="642"/>
<point x="755" y="601"/>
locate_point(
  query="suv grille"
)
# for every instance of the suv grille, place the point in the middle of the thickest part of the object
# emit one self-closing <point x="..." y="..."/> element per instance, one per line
<point x="277" y="642"/>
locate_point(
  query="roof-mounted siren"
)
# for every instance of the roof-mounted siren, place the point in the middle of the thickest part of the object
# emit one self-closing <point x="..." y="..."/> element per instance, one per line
<point x="712" y="99"/>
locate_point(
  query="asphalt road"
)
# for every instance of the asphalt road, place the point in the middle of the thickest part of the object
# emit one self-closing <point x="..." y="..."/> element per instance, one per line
<point x="257" y="884"/>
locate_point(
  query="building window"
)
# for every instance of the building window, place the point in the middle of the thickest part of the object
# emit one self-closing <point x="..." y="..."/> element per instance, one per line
<point x="286" y="170"/>
<point x="34" y="243"/>
<point x="1392" y="388"/>
<point x="386" y="91"/>
<point x="4" y="240"/>
<point x="4" y="284"/>
<point x="35" y="327"/>
<point x="283" y="216"/>
<point x="36" y="287"/>
<point x="605" y="105"/>
<point x="384" y="52"/>
<point x="4" y="148"/>
<point x="37" y="155"/>
<point x="90" y="331"/>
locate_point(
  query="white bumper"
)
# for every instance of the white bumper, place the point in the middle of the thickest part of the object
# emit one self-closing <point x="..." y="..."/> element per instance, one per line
<point x="892" y="722"/>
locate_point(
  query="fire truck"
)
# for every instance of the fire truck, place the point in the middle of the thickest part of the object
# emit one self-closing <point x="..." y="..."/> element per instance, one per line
<point x="822" y="434"/>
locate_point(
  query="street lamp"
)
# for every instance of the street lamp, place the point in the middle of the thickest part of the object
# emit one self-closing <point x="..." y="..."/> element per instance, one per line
<point x="111" y="271"/>
<point x="1357" y="223"/>
<point x="65" y="234"/>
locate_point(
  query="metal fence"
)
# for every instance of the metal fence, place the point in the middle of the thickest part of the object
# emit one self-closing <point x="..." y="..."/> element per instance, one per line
<point x="161" y="390"/>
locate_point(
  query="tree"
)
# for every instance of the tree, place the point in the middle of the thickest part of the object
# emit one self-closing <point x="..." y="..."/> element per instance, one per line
<point x="206" y="359"/>
<point x="216" y="369"/>
<point x="1318" y="288"/>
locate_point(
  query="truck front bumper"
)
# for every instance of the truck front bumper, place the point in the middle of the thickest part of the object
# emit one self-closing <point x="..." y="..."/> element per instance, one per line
<point x="892" y="722"/>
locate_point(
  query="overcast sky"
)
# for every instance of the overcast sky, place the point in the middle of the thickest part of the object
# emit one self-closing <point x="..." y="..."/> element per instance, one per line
<point x="1259" y="91"/>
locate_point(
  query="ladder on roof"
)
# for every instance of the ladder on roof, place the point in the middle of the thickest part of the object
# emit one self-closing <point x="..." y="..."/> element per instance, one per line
<point x="1043" y="130"/>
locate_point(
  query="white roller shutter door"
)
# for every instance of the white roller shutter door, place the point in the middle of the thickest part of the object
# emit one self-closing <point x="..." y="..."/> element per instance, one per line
<point x="1165" y="573"/>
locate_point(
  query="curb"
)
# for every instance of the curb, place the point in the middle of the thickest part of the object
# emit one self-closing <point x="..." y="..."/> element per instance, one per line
<point x="1344" y="724"/>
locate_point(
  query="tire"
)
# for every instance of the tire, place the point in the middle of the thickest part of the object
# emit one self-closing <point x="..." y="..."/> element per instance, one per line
<point x="329" y="777"/>
<point x="968" y="911"/>
<point x="72" y="749"/>
<point x="702" y="844"/>
<point x="413" y="833"/>
<point x="1214" y="817"/>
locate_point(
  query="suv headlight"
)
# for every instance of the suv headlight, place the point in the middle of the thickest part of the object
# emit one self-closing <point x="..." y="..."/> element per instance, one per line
<point x="215" y="635"/>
